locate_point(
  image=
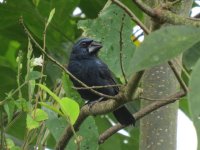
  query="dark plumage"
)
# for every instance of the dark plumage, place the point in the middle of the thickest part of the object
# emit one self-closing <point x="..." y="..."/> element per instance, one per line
<point x="87" y="67"/>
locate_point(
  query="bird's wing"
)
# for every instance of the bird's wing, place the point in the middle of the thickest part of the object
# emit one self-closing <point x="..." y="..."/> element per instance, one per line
<point x="106" y="75"/>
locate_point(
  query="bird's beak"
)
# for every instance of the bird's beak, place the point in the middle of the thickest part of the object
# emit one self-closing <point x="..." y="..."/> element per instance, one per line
<point x="94" y="47"/>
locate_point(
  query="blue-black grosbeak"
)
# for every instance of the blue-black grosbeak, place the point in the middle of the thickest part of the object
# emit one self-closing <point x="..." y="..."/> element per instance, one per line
<point x="85" y="65"/>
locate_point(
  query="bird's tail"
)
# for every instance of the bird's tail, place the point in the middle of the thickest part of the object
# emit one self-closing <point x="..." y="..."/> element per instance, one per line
<point x="124" y="116"/>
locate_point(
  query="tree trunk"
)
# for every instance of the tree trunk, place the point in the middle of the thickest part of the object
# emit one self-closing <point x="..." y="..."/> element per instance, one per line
<point x="158" y="129"/>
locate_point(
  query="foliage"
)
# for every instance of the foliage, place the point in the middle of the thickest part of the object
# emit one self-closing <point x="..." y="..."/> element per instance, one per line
<point x="38" y="103"/>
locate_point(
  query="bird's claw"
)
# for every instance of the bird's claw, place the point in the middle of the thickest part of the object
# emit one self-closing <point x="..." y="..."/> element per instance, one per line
<point x="91" y="103"/>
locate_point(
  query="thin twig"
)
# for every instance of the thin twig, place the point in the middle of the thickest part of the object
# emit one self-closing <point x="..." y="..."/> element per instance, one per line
<point x="13" y="93"/>
<point x="96" y="87"/>
<point x="132" y="15"/>
<point x="178" y="77"/>
<point x="42" y="69"/>
<point x="145" y="8"/>
<point x="138" y="115"/>
<point x="19" y="68"/>
<point x="61" y="66"/>
<point x="121" y="48"/>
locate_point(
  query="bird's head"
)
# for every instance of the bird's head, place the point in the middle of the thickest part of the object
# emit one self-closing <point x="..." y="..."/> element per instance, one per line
<point x="86" y="46"/>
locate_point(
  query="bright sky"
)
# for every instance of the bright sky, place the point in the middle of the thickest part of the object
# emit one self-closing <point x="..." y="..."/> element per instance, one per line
<point x="186" y="133"/>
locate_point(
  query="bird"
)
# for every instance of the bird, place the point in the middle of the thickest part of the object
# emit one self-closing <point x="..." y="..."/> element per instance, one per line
<point x="86" y="66"/>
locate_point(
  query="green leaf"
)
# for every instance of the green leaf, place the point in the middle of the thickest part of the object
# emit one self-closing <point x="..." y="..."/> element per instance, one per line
<point x="36" y="2"/>
<point x="46" y="89"/>
<point x="39" y="115"/>
<point x="163" y="45"/>
<point x="193" y="97"/>
<point x="110" y="19"/>
<point x="15" y="148"/>
<point x="31" y="123"/>
<point x="18" y="129"/>
<point x="91" y="8"/>
<point x="33" y="75"/>
<point x="31" y="88"/>
<point x="50" y="16"/>
<point x="191" y="56"/>
<point x="23" y="105"/>
<point x="51" y="108"/>
<point x="70" y="108"/>
<point x="89" y="133"/>
<point x="184" y="106"/>
<point x="10" y="143"/>
<point x="34" y="19"/>
<point x="56" y="126"/>
<point x="11" y="53"/>
<point x="9" y="108"/>
<point x="69" y="91"/>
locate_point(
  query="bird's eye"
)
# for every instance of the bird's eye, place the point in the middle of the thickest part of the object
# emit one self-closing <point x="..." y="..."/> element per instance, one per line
<point x="83" y="44"/>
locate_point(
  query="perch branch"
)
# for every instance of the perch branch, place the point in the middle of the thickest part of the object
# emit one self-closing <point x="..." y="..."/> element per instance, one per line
<point x="98" y="108"/>
<point x="140" y="114"/>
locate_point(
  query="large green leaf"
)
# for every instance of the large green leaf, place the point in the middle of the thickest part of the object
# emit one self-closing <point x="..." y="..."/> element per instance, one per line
<point x="39" y="115"/>
<point x="193" y="97"/>
<point x="61" y="28"/>
<point x="106" y="28"/>
<point x="18" y="128"/>
<point x="70" y="108"/>
<point x="31" y="123"/>
<point x="69" y="91"/>
<point x="163" y="45"/>
<point x="89" y="133"/>
<point x="56" y="126"/>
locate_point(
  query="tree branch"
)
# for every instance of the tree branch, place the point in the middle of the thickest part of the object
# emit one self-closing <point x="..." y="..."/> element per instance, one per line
<point x="138" y="115"/>
<point x="121" y="48"/>
<point x="97" y="108"/>
<point x="165" y="15"/>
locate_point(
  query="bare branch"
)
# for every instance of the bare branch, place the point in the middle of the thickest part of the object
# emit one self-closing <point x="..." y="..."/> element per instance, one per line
<point x="138" y="115"/>
<point x="178" y="77"/>
<point x="121" y="48"/>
